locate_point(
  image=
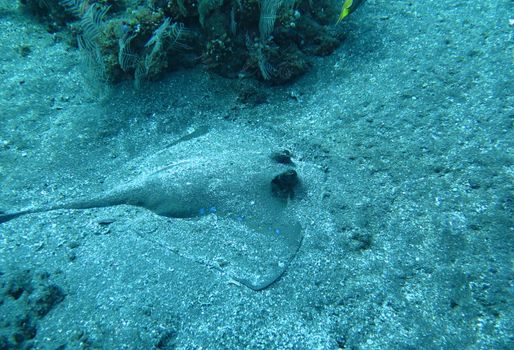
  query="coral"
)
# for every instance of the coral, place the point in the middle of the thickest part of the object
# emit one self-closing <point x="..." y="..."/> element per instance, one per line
<point x="270" y="40"/>
<point x="206" y="7"/>
<point x="267" y="17"/>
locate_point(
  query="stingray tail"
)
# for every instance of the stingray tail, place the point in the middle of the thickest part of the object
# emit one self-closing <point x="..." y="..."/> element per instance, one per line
<point x="86" y="204"/>
<point x="4" y="217"/>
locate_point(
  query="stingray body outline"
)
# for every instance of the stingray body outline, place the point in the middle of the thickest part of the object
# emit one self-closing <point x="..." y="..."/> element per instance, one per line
<point x="180" y="188"/>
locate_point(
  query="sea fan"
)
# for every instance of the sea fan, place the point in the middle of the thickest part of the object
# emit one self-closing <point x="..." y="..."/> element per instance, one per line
<point x="267" y="17"/>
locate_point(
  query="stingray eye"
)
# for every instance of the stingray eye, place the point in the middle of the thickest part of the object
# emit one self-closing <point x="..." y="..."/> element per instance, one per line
<point x="283" y="157"/>
<point x="283" y="185"/>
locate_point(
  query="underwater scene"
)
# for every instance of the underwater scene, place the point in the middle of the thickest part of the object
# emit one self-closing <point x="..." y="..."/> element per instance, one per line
<point x="256" y="174"/>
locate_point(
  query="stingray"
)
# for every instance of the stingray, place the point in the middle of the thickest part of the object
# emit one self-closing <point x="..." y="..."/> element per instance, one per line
<point x="232" y="196"/>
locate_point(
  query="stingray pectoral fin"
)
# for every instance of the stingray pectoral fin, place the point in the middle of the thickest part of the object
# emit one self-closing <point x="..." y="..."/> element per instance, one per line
<point x="247" y="251"/>
<point x="258" y="285"/>
<point x="286" y="245"/>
